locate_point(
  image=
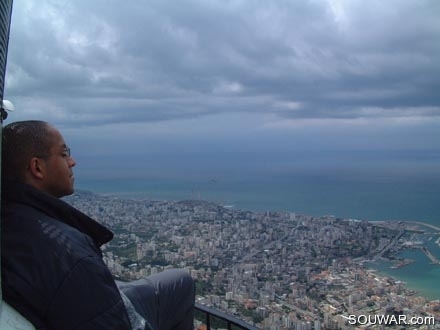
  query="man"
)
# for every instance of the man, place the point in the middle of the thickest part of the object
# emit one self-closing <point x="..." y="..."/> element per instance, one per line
<point x="52" y="268"/>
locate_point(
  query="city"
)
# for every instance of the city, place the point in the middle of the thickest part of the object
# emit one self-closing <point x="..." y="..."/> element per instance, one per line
<point x="275" y="270"/>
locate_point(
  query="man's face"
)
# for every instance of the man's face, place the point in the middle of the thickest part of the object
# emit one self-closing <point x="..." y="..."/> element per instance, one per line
<point x="58" y="180"/>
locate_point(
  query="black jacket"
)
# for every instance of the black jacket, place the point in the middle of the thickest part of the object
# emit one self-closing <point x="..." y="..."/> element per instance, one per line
<point x="52" y="267"/>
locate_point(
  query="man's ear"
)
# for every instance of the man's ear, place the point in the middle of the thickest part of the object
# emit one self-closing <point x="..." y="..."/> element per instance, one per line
<point x="37" y="168"/>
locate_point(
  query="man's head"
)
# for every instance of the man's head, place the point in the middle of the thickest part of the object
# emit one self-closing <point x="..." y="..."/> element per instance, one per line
<point x="35" y="153"/>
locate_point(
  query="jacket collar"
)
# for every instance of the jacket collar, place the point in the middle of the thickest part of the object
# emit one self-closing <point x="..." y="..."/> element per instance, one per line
<point x="17" y="192"/>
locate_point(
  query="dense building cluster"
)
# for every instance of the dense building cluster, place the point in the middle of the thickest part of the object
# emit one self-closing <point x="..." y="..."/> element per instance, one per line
<point x="277" y="270"/>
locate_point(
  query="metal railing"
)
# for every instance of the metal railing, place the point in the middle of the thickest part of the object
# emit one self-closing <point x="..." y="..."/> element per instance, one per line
<point x="230" y="321"/>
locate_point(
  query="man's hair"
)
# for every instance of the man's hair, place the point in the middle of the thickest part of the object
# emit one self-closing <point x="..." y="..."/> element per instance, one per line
<point x="21" y="141"/>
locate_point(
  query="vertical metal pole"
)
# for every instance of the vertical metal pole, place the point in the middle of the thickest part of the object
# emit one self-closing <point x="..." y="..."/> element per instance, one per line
<point x="5" y="24"/>
<point x="208" y="321"/>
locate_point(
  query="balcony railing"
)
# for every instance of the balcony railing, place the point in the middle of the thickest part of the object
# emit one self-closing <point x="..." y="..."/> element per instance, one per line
<point x="230" y="321"/>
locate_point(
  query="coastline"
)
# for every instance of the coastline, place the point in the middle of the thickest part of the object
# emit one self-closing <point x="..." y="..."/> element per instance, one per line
<point x="420" y="275"/>
<point x="372" y="199"/>
<point x="420" y="287"/>
<point x="413" y="265"/>
<point x="336" y="279"/>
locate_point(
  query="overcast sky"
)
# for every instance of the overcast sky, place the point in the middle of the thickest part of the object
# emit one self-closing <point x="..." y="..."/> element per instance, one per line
<point x="164" y="84"/>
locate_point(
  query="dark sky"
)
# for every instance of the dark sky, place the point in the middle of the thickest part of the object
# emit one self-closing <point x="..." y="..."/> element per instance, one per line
<point x="161" y="85"/>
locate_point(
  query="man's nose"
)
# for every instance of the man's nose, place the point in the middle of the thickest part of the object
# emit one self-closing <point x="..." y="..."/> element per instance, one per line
<point x="72" y="162"/>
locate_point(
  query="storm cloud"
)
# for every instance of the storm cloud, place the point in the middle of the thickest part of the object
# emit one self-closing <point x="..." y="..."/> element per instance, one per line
<point x="99" y="62"/>
<point x="151" y="86"/>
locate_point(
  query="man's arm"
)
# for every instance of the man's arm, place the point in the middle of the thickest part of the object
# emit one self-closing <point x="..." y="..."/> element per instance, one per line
<point x="88" y="299"/>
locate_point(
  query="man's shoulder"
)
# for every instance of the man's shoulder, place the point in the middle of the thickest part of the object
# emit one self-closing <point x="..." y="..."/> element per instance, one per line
<point x="30" y="239"/>
<point x="23" y="217"/>
<point x="41" y="255"/>
<point x="31" y="227"/>
<point x="16" y="209"/>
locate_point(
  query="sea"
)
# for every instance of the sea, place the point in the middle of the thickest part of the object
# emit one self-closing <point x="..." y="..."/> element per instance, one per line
<point x="356" y="195"/>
